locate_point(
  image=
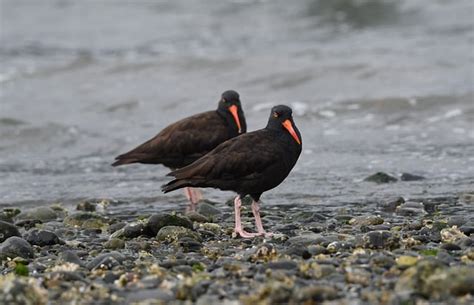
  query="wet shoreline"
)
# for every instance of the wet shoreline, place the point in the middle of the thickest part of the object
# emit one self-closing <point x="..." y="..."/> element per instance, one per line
<point x="392" y="251"/>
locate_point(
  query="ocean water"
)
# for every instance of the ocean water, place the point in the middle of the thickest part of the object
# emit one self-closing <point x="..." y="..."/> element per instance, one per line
<point x="375" y="86"/>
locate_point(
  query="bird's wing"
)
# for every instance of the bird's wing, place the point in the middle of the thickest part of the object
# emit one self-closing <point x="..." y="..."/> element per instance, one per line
<point x="197" y="134"/>
<point x="238" y="158"/>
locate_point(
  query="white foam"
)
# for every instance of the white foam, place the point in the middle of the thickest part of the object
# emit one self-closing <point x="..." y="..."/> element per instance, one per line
<point x="299" y="108"/>
<point x="453" y="113"/>
<point x="327" y="113"/>
<point x="262" y="106"/>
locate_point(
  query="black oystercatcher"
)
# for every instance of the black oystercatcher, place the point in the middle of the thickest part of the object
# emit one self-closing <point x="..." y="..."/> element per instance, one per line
<point x="248" y="165"/>
<point x="187" y="140"/>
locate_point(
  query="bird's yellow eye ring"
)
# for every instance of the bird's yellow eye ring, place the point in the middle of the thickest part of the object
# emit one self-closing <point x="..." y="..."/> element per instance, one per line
<point x="275" y="115"/>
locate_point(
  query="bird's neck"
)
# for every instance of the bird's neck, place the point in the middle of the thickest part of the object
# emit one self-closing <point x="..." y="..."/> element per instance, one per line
<point x="229" y="119"/>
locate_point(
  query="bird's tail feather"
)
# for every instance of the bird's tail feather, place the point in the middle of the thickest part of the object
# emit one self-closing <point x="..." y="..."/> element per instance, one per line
<point x="123" y="161"/>
<point x="174" y="185"/>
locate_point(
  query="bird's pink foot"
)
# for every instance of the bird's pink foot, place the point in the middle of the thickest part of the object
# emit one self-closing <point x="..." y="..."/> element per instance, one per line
<point x="245" y="234"/>
<point x="265" y="234"/>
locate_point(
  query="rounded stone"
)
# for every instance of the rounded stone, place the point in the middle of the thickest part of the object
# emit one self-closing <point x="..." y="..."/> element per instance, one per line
<point x="411" y="177"/>
<point x="106" y="261"/>
<point x="380" y="239"/>
<point x="158" y="221"/>
<point x="208" y="210"/>
<point x="8" y="230"/>
<point x="16" y="247"/>
<point x="380" y="178"/>
<point x="282" y="265"/>
<point x="134" y="230"/>
<point x="367" y="220"/>
<point x="114" y="243"/>
<point x="85" y="220"/>
<point x="42" y="238"/>
<point x="174" y="233"/>
<point x="43" y="214"/>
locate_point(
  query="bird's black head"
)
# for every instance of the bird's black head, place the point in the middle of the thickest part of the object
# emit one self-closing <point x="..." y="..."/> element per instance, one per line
<point x="281" y="119"/>
<point x="231" y="108"/>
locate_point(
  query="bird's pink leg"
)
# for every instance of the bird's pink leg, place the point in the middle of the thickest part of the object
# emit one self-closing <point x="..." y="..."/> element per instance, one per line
<point x="258" y="220"/>
<point x="197" y="194"/>
<point x="193" y="196"/>
<point x="238" y="224"/>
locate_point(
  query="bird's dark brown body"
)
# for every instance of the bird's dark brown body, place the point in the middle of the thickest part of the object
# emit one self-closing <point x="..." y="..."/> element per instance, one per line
<point x="248" y="165"/>
<point x="185" y="141"/>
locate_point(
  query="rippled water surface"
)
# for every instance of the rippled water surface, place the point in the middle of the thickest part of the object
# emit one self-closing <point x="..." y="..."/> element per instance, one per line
<point x="375" y="86"/>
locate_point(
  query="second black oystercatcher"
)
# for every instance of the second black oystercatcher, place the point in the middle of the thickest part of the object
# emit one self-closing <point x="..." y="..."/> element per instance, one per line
<point x="185" y="141"/>
<point x="248" y="165"/>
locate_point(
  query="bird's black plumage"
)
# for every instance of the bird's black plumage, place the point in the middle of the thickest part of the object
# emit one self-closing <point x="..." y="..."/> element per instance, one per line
<point x="185" y="141"/>
<point x="249" y="164"/>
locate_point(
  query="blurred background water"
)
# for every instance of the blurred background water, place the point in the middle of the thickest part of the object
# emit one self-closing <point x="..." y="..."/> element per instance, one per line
<point x="375" y="85"/>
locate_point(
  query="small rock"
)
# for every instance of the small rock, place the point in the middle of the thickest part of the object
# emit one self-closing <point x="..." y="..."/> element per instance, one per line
<point x="282" y="265"/>
<point x="406" y="261"/>
<point x="43" y="214"/>
<point x="85" y="220"/>
<point x="134" y="230"/>
<point x="317" y="249"/>
<point x="7" y="230"/>
<point x="9" y="213"/>
<point x="211" y="227"/>
<point x="116" y="226"/>
<point x="298" y="250"/>
<point x="189" y="244"/>
<point x="337" y="246"/>
<point x="467" y="228"/>
<point x="380" y="178"/>
<point x="309" y="238"/>
<point x="208" y="210"/>
<point x="87" y="206"/>
<point x="318" y="293"/>
<point x="411" y="208"/>
<point x="106" y="261"/>
<point x="69" y="256"/>
<point x="42" y="238"/>
<point x="450" y="247"/>
<point x="158" y="221"/>
<point x="195" y="216"/>
<point x="456" y="221"/>
<point x="452" y="235"/>
<point x="357" y="276"/>
<point x="391" y="205"/>
<point x="15" y="246"/>
<point x="265" y="252"/>
<point x="381" y="260"/>
<point x="411" y="177"/>
<point x="366" y="220"/>
<point x="27" y="223"/>
<point x="114" y="244"/>
<point x="380" y="240"/>
<point x="174" y="233"/>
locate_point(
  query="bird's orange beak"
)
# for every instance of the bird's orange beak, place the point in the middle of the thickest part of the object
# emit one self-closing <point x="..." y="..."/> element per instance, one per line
<point x="233" y="110"/>
<point x="287" y="124"/>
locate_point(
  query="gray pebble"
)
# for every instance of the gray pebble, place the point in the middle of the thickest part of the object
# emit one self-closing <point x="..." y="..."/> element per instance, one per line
<point x="8" y="230"/>
<point x="15" y="246"/>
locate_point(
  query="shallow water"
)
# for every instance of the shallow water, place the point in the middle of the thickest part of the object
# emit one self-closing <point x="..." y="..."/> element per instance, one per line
<point x="375" y="86"/>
